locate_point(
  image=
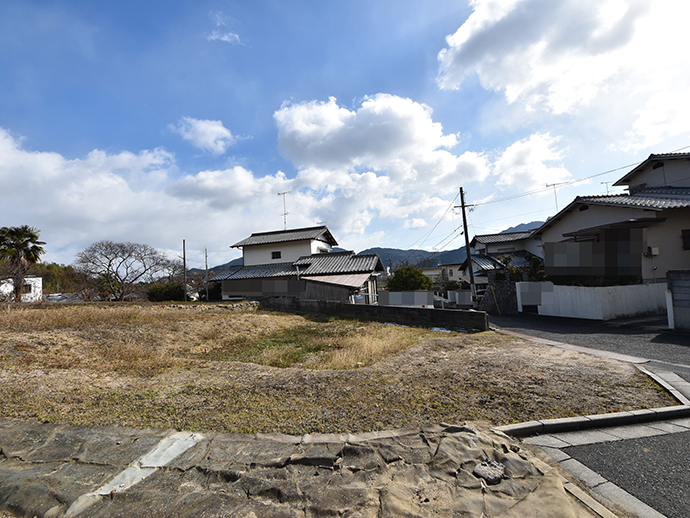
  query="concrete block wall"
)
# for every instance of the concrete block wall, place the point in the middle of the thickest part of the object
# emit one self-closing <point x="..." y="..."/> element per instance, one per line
<point x="446" y="318"/>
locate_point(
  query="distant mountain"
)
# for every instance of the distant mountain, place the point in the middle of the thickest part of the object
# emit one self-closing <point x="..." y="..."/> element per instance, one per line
<point x="419" y="258"/>
<point x="523" y="227"/>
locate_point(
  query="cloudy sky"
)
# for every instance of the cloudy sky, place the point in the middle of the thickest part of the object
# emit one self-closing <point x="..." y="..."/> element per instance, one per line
<point x="157" y="121"/>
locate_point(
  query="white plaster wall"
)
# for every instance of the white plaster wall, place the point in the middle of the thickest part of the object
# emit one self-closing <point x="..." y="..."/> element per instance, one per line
<point x="36" y="283"/>
<point x="289" y="252"/>
<point x="674" y="173"/>
<point x="623" y="301"/>
<point x="603" y="303"/>
<point x="667" y="237"/>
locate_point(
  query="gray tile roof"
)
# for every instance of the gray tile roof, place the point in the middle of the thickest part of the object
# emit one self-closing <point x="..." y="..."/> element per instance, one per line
<point x="258" y="271"/>
<point x="282" y="236"/>
<point x="663" y="198"/>
<point x="338" y="262"/>
<point x="486" y="239"/>
<point x="310" y="265"/>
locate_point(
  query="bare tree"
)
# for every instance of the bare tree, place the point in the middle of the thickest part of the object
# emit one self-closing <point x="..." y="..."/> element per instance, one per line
<point x="120" y="266"/>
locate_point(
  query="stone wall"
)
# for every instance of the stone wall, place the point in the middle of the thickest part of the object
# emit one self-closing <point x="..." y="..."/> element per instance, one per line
<point x="447" y="318"/>
<point x="506" y="296"/>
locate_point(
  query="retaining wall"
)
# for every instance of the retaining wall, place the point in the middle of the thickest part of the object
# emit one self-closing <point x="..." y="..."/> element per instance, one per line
<point x="447" y="318"/>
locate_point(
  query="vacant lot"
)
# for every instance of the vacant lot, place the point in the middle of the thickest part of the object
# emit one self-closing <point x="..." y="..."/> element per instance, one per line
<point x="239" y="369"/>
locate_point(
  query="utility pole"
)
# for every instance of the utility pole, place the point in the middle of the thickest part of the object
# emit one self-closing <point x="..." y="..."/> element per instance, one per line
<point x="184" y="268"/>
<point x="473" y="288"/>
<point x="206" y="264"/>
<point x="285" y="212"/>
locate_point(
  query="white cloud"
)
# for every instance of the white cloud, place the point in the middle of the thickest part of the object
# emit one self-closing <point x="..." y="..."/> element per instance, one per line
<point x="132" y="197"/>
<point x="208" y="135"/>
<point x="386" y="159"/>
<point x="613" y="63"/>
<point x="228" y="37"/>
<point x="415" y="223"/>
<point x="392" y="136"/>
<point x="523" y="165"/>
<point x="223" y="20"/>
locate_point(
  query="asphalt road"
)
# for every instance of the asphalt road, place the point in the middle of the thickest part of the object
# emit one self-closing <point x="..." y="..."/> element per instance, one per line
<point x="653" y="469"/>
<point x="643" y="337"/>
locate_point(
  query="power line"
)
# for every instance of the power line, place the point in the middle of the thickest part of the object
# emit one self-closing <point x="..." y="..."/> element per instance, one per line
<point x="569" y="182"/>
<point x="428" y="234"/>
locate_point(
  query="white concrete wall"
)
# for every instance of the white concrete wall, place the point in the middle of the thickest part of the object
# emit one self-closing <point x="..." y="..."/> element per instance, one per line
<point x="419" y="299"/>
<point x="36" y="294"/>
<point x="601" y="303"/>
<point x="675" y="173"/>
<point x="289" y="252"/>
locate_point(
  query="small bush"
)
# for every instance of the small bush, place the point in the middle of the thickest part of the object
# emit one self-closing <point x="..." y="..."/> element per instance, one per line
<point x="164" y="292"/>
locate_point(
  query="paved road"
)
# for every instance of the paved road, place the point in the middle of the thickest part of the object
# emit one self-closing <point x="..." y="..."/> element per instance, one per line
<point x="642" y="337"/>
<point x="653" y="469"/>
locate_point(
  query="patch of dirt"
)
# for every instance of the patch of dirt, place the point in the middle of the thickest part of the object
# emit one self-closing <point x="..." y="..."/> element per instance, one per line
<point x="483" y="376"/>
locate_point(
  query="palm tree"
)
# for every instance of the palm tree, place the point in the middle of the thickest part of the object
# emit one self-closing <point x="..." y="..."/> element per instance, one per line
<point x="19" y="249"/>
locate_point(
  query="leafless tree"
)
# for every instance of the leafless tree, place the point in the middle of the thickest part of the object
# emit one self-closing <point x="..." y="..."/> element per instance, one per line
<point x="121" y="266"/>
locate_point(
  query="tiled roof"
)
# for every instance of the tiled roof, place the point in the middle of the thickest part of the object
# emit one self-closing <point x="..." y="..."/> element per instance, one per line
<point x="282" y="236"/>
<point x="258" y="271"/>
<point x="486" y="239"/>
<point x="310" y="265"/>
<point x="671" y="198"/>
<point x="485" y="263"/>
<point x="338" y="262"/>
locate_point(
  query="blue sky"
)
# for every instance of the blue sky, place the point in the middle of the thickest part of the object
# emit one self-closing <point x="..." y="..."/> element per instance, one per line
<point x="158" y="121"/>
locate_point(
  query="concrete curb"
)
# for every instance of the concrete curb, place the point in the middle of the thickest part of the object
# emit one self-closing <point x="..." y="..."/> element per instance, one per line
<point x="589" y="422"/>
<point x="576" y="424"/>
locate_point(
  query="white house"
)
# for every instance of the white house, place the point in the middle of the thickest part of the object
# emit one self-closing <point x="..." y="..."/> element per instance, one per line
<point x="32" y="290"/>
<point x="300" y="263"/>
<point x="644" y="233"/>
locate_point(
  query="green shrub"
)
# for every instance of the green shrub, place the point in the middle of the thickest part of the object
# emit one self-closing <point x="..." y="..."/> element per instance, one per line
<point x="163" y="292"/>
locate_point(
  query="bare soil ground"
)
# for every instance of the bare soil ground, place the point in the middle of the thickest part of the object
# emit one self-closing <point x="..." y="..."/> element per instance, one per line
<point x="239" y="369"/>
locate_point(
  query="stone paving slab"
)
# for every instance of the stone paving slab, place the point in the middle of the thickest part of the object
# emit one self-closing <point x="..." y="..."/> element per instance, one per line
<point x="65" y="471"/>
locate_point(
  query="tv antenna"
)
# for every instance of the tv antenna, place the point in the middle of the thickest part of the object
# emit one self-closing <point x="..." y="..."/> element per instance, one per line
<point x="607" y="186"/>
<point x="285" y="212"/>
<point x="554" y="185"/>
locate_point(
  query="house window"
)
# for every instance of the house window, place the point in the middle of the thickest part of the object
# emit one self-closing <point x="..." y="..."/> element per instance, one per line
<point x="275" y="255"/>
<point x="686" y="239"/>
<point x="450" y="272"/>
<point x="27" y="288"/>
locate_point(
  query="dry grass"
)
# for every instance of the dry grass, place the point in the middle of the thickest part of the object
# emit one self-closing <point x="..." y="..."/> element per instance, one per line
<point x="244" y="370"/>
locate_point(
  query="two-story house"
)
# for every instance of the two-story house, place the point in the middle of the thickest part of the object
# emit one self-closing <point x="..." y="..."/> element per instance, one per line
<point x="300" y="263"/>
<point x="644" y="233"/>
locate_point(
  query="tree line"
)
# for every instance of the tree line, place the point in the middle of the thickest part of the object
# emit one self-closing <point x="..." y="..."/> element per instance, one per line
<point x="104" y="270"/>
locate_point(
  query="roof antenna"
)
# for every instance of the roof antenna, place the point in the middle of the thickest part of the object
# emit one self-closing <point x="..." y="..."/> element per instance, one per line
<point x="285" y="212"/>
